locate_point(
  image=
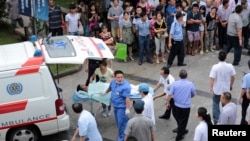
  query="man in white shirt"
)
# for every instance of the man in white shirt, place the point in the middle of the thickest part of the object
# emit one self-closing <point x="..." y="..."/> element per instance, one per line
<point x="148" y="99"/>
<point x="222" y="77"/>
<point x="166" y="80"/>
<point x="87" y="127"/>
<point x="229" y="110"/>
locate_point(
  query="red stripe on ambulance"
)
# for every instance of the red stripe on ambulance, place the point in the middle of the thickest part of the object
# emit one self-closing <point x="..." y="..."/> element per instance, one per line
<point x="13" y="106"/>
<point x="97" y="48"/>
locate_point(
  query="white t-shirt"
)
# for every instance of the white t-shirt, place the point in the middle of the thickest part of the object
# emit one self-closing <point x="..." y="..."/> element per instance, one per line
<point x="104" y="77"/>
<point x="201" y="132"/>
<point x="222" y="73"/>
<point x="149" y="107"/>
<point x="87" y="126"/>
<point x="167" y="82"/>
<point x="72" y="21"/>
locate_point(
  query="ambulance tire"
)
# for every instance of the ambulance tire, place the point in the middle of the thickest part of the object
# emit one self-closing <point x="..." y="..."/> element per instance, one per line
<point x="29" y="132"/>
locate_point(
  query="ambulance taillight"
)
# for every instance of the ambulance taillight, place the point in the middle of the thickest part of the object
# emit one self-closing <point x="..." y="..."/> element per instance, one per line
<point x="59" y="107"/>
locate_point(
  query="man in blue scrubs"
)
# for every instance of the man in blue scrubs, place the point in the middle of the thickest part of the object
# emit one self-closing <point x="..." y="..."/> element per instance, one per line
<point x="120" y="91"/>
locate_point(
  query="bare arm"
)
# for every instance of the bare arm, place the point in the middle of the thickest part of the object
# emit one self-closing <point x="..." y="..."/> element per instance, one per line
<point x="239" y="31"/>
<point x="127" y="103"/>
<point x="120" y="31"/>
<point x="82" y="138"/>
<point x="159" y="95"/>
<point x="158" y="85"/>
<point x="153" y="136"/>
<point x="232" y="82"/>
<point x="211" y="85"/>
<point x="92" y="77"/>
<point x="75" y="134"/>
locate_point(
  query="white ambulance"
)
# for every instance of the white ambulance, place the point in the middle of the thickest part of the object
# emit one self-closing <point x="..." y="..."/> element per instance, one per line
<point x="31" y="104"/>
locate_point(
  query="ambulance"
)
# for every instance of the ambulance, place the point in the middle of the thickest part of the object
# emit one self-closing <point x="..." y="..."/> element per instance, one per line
<point x="31" y="104"/>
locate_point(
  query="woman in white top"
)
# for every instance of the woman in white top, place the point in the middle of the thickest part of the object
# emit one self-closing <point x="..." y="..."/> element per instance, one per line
<point x="105" y="75"/>
<point x="201" y="130"/>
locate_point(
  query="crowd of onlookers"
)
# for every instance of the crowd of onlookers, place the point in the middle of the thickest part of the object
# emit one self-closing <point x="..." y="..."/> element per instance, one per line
<point x="204" y="24"/>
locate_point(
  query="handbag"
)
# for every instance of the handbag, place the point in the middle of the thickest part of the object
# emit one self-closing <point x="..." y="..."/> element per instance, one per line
<point x="162" y="35"/>
<point x="80" y="30"/>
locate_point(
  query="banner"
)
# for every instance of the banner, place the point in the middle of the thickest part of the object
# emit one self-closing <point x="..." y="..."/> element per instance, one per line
<point x="25" y="7"/>
<point x="41" y="9"/>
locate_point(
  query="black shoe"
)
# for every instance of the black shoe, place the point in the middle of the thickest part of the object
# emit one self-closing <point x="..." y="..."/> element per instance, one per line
<point x="186" y="131"/>
<point x="163" y="117"/>
<point x="150" y="61"/>
<point x="139" y="63"/>
<point x="169" y="66"/>
<point x="175" y="130"/>
<point x="178" y="138"/>
<point x="182" y="65"/>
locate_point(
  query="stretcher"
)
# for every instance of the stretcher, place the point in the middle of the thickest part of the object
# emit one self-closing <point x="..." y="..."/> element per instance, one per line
<point x="94" y="94"/>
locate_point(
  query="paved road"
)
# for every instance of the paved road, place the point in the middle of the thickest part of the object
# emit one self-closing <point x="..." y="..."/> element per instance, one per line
<point x="198" y="70"/>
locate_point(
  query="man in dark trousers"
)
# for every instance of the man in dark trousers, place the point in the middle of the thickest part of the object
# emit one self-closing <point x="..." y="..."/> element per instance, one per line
<point x="90" y="66"/>
<point x="166" y="80"/>
<point x="175" y="42"/>
<point x="243" y="96"/>
<point x="182" y="91"/>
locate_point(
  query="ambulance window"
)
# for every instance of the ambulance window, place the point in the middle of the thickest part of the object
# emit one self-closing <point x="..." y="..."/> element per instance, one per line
<point x="59" y="46"/>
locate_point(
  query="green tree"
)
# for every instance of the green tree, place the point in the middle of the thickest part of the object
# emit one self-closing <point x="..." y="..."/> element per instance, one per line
<point x="3" y="14"/>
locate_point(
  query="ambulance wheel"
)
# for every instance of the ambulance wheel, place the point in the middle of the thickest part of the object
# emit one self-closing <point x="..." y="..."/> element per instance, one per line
<point x="23" y="134"/>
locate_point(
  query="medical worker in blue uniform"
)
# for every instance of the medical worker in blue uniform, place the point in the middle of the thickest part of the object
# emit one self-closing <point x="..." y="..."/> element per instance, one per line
<point x="120" y="91"/>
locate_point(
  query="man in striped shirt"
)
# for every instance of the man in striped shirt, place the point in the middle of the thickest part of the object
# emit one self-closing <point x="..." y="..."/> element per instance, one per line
<point x="56" y="19"/>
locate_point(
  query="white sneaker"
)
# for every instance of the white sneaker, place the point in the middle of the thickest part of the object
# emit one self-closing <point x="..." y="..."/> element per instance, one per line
<point x="104" y="113"/>
<point x="109" y="113"/>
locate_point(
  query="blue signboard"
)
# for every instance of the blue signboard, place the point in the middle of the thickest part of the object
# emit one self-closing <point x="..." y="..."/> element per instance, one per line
<point x="25" y="7"/>
<point x="41" y="9"/>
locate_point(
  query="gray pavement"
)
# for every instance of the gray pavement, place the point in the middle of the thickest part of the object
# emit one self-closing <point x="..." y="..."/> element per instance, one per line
<point x="198" y="68"/>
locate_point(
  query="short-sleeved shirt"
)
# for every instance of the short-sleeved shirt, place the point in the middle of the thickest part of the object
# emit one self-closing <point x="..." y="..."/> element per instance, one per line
<point x="166" y="82"/>
<point x="223" y="14"/>
<point x="115" y="12"/>
<point x="143" y="27"/>
<point x="234" y="23"/>
<point x="148" y="110"/>
<point x="125" y="24"/>
<point x="201" y="132"/>
<point x="87" y="126"/>
<point x="55" y="19"/>
<point x="159" y="26"/>
<point x="182" y="91"/>
<point x="119" y="93"/>
<point x="140" y="127"/>
<point x="222" y="73"/>
<point x="228" y="114"/>
<point x="176" y="31"/>
<point x="104" y="77"/>
<point x="193" y="27"/>
<point x="210" y="21"/>
<point x="245" y="17"/>
<point x="72" y="21"/>
<point x="246" y="81"/>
